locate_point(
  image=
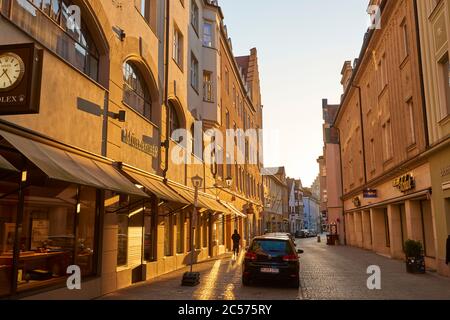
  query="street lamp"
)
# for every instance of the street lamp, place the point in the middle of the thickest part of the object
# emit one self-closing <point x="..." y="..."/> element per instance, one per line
<point x="192" y="279"/>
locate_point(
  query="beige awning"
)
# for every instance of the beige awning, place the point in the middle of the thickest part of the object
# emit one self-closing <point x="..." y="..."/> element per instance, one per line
<point x="204" y="200"/>
<point x="4" y="164"/>
<point x="156" y="185"/>
<point x="66" y="166"/>
<point x="233" y="209"/>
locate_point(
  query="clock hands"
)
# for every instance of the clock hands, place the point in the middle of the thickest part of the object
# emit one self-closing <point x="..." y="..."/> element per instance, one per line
<point x="6" y="73"/>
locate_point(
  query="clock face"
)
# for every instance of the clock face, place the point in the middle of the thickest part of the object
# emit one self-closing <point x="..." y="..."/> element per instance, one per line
<point x="12" y="70"/>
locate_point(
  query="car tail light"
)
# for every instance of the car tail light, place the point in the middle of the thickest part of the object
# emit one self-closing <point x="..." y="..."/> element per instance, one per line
<point x="250" y="256"/>
<point x="290" y="258"/>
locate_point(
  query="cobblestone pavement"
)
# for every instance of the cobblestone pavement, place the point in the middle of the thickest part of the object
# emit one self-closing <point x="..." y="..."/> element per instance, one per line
<point x="341" y="273"/>
<point x="326" y="273"/>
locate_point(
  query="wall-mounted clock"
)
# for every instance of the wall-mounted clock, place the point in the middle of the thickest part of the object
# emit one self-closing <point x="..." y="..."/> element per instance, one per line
<point x="12" y="69"/>
<point x="20" y="78"/>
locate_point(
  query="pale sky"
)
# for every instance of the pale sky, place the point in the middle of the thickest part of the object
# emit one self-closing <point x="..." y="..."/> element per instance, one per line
<point x="302" y="45"/>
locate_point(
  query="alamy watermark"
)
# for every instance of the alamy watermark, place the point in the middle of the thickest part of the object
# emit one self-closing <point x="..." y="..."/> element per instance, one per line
<point x="374" y="280"/>
<point x="72" y="13"/>
<point x="374" y="12"/>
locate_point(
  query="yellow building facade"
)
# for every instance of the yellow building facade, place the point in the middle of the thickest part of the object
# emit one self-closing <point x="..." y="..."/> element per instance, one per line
<point x="101" y="176"/>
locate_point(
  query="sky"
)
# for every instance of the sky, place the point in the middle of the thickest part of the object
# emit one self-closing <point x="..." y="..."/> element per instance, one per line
<point x="302" y="46"/>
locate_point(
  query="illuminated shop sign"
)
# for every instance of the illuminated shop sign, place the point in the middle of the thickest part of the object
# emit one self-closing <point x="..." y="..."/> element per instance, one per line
<point x="405" y="183"/>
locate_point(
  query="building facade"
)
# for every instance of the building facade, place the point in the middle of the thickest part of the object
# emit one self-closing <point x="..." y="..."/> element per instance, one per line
<point x="330" y="171"/>
<point x="100" y="174"/>
<point x="276" y="197"/>
<point x="312" y="215"/>
<point x="296" y="207"/>
<point x="434" y="30"/>
<point x="387" y="184"/>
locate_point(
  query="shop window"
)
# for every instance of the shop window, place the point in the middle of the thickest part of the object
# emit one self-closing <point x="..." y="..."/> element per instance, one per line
<point x="386" y="227"/>
<point x="168" y="236"/>
<point x="57" y="231"/>
<point x="135" y="91"/>
<point x="149" y="248"/>
<point x="180" y="232"/>
<point x="8" y="219"/>
<point x="84" y="257"/>
<point x="122" y="240"/>
<point x="198" y="232"/>
<point x="205" y="220"/>
<point x="51" y="23"/>
<point x="221" y="230"/>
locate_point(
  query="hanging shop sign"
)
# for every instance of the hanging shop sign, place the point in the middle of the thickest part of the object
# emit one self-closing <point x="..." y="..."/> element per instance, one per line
<point x="370" y="194"/>
<point x="130" y="139"/>
<point x="405" y="183"/>
<point x="20" y="79"/>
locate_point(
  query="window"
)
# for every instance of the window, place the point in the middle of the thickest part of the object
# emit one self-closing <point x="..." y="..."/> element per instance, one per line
<point x="229" y="172"/>
<point x="227" y="119"/>
<point x="220" y="156"/>
<point x="234" y="97"/>
<point x="387" y="140"/>
<point x="205" y="221"/>
<point x="412" y="129"/>
<point x="194" y="72"/>
<point x="149" y="240"/>
<point x="180" y="232"/>
<point x="194" y="15"/>
<point x="143" y="7"/>
<point x="71" y="42"/>
<point x="178" y="47"/>
<point x="221" y="230"/>
<point x="444" y="70"/>
<point x="382" y="73"/>
<point x="135" y="92"/>
<point x="168" y="235"/>
<point x="174" y="122"/>
<point x="405" y="35"/>
<point x="372" y="155"/>
<point x="227" y="80"/>
<point x="207" y="86"/>
<point x="208" y="34"/>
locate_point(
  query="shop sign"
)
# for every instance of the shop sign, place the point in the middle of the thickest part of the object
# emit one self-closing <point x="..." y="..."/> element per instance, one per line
<point x="370" y="194"/>
<point x="405" y="183"/>
<point x="130" y="139"/>
<point x="20" y="79"/>
<point x="357" y="202"/>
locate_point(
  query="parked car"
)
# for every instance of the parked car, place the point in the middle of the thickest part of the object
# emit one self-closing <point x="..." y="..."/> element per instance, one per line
<point x="304" y="233"/>
<point x="281" y="235"/>
<point x="272" y="257"/>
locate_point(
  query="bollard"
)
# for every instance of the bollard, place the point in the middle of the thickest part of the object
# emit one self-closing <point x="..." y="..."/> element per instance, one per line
<point x="319" y="240"/>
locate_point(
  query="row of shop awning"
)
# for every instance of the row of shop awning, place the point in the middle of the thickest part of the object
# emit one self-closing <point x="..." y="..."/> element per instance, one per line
<point x="68" y="166"/>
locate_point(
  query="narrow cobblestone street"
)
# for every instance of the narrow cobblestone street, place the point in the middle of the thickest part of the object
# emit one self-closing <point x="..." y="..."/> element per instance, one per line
<point x="326" y="273"/>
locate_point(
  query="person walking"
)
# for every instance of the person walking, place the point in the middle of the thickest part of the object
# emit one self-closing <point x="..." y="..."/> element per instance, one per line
<point x="236" y="242"/>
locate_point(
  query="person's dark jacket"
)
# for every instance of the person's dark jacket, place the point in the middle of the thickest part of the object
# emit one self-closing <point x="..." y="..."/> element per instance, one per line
<point x="447" y="260"/>
<point x="236" y="238"/>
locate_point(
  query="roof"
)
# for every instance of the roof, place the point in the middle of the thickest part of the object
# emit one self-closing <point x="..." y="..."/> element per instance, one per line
<point x="244" y="62"/>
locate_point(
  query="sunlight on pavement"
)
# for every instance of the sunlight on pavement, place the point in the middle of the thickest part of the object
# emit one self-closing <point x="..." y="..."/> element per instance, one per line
<point x="234" y="265"/>
<point x="205" y="292"/>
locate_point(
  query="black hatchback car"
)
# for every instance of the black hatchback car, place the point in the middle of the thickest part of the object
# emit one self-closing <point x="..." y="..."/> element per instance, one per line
<point x="272" y="258"/>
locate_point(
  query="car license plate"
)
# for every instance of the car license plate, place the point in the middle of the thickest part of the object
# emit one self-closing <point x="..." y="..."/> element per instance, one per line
<point x="270" y="270"/>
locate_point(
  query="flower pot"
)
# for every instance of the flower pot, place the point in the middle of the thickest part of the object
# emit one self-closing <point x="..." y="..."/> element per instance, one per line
<point x="415" y="265"/>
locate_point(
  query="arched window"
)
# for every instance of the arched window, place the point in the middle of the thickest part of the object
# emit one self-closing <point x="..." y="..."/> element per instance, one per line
<point x="66" y="32"/>
<point x="135" y="91"/>
<point x="174" y="122"/>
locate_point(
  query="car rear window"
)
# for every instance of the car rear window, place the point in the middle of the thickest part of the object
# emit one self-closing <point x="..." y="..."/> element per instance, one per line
<point x="271" y="247"/>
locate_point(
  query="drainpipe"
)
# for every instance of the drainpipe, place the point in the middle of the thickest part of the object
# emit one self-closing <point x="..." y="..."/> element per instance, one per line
<point x="362" y="132"/>
<point x="342" y="184"/>
<point x="422" y="83"/>
<point x="166" y="143"/>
